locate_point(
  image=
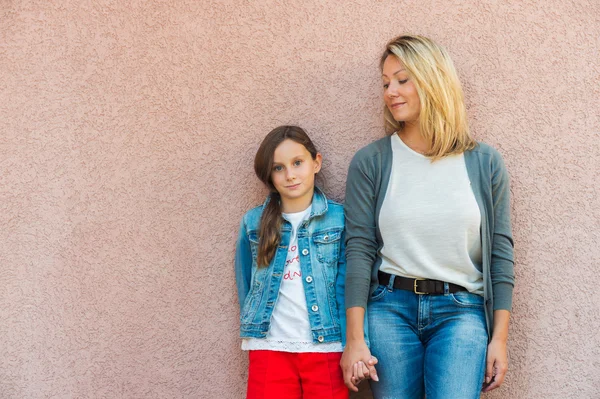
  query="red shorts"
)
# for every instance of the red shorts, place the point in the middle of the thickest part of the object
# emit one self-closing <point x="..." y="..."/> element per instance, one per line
<point x="284" y="375"/>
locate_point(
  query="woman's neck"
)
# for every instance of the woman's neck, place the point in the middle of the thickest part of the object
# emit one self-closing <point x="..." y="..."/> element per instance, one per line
<point x="411" y="136"/>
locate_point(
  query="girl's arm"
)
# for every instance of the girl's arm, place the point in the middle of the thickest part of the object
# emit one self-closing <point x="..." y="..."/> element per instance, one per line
<point x="243" y="264"/>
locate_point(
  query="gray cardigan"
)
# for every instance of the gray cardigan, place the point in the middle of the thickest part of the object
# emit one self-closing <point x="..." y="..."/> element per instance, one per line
<point x="368" y="177"/>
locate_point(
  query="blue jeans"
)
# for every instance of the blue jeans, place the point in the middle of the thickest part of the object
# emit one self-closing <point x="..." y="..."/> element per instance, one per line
<point x="432" y="345"/>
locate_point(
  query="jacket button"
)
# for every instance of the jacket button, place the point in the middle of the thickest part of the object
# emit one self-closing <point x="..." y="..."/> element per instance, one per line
<point x="309" y="279"/>
<point x="326" y="238"/>
<point x="320" y="338"/>
<point x="314" y="308"/>
<point x="305" y="252"/>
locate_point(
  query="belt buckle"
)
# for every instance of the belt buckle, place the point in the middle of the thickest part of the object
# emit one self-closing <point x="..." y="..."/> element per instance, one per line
<point x="415" y="287"/>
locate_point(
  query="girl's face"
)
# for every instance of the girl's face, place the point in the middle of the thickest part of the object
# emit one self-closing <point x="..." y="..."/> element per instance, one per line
<point x="293" y="175"/>
<point x="399" y="92"/>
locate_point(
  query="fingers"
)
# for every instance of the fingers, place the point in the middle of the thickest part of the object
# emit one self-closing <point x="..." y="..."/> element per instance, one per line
<point x="371" y="366"/>
<point x="363" y="370"/>
<point x="489" y="370"/>
<point x="359" y="372"/>
<point x="499" y="371"/>
<point x="348" y="378"/>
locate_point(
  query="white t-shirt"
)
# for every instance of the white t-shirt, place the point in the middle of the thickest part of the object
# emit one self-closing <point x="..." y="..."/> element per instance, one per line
<point x="290" y="328"/>
<point x="429" y="220"/>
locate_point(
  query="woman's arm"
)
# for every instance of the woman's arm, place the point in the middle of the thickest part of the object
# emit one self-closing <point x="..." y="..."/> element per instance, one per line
<point x="361" y="251"/>
<point x="502" y="275"/>
<point x="340" y="287"/>
<point x="497" y="358"/>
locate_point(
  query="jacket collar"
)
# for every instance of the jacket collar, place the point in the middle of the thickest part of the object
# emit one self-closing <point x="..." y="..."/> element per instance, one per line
<point x="319" y="203"/>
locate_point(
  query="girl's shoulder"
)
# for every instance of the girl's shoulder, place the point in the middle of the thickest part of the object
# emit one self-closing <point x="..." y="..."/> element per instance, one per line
<point x="335" y="210"/>
<point x="252" y="217"/>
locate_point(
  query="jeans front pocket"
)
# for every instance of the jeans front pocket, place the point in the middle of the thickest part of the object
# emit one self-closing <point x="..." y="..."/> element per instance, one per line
<point x="379" y="293"/>
<point x="465" y="298"/>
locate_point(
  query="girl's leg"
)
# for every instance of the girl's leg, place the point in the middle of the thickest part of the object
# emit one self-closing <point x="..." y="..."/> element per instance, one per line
<point x="456" y="345"/>
<point x="395" y="342"/>
<point x="321" y="376"/>
<point x="273" y="375"/>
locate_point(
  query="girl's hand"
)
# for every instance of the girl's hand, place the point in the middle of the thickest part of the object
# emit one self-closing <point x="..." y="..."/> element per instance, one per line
<point x="361" y="371"/>
<point x="354" y="353"/>
<point x="497" y="365"/>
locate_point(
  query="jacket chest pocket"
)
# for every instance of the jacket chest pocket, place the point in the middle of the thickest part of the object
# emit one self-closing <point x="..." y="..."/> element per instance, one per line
<point x="327" y="246"/>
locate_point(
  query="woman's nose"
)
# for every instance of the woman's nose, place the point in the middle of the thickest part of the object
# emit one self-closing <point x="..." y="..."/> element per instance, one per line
<point x="391" y="91"/>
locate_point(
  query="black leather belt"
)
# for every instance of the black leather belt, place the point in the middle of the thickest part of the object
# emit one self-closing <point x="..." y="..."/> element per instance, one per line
<point x="418" y="286"/>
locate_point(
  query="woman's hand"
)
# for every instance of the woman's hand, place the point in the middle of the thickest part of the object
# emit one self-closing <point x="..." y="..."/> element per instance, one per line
<point x="496" y="365"/>
<point x="357" y="364"/>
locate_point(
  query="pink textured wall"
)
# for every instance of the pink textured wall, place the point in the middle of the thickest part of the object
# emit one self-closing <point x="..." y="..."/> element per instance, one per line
<point x="127" y="133"/>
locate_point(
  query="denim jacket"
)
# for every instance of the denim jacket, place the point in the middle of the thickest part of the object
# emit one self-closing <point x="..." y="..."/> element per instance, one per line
<point x="321" y="249"/>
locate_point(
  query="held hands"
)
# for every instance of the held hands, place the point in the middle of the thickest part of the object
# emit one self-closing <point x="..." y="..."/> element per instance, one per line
<point x="357" y="365"/>
<point x="496" y="365"/>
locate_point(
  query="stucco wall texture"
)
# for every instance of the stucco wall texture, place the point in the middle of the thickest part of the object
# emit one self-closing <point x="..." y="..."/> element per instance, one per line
<point x="127" y="135"/>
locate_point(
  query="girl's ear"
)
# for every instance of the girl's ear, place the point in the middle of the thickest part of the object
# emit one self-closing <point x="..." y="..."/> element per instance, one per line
<point x="318" y="160"/>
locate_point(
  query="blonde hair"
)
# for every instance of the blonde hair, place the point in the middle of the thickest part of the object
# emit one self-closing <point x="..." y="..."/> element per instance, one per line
<point x="443" y="117"/>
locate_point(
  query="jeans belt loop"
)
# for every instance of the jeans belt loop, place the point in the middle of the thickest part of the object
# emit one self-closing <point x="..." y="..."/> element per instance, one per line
<point x="446" y="288"/>
<point x="390" y="285"/>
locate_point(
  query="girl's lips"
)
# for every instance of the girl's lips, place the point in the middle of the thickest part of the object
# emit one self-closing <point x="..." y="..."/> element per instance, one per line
<point x="293" y="187"/>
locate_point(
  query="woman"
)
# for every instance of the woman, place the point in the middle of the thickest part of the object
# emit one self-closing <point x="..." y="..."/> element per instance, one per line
<point x="428" y="241"/>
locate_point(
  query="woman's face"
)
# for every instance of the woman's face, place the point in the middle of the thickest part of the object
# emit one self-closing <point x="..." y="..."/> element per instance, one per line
<point x="399" y="92"/>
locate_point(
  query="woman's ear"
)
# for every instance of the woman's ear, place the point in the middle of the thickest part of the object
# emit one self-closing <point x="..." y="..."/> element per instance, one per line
<point x="318" y="161"/>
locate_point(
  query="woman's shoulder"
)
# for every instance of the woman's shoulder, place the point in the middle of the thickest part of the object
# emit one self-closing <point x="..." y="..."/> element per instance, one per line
<point x="375" y="148"/>
<point x="485" y="149"/>
<point x="485" y="155"/>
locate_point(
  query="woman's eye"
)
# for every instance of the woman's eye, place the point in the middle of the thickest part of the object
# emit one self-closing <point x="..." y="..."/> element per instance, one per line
<point x="403" y="81"/>
<point x="386" y="85"/>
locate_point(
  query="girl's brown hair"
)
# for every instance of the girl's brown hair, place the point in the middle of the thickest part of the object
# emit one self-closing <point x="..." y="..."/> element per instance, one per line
<point x="270" y="222"/>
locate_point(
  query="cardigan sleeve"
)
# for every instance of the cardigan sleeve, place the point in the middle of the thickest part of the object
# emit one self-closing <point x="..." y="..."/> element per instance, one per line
<point x="502" y="257"/>
<point x="361" y="239"/>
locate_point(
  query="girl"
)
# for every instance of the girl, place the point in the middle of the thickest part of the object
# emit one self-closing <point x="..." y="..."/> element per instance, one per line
<point x="290" y="270"/>
<point x="429" y="242"/>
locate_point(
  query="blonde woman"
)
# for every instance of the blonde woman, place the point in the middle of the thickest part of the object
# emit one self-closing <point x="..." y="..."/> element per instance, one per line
<point x="429" y="246"/>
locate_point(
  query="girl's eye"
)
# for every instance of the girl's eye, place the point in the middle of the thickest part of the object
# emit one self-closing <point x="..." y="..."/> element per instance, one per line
<point x="277" y="168"/>
<point x="297" y="163"/>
